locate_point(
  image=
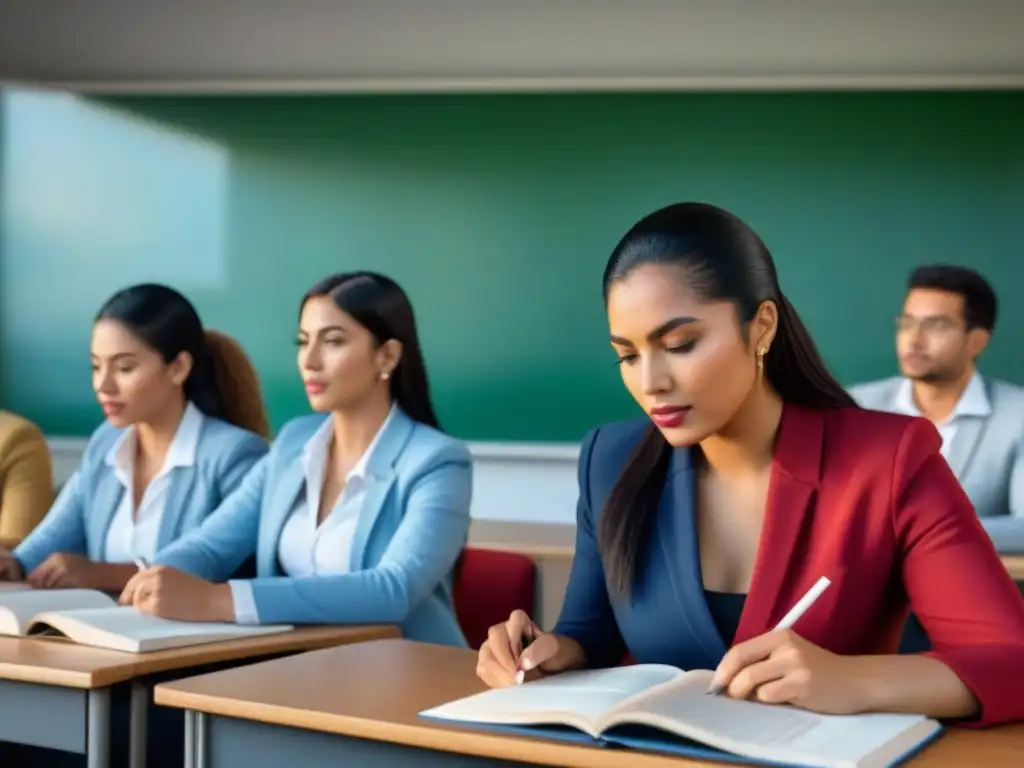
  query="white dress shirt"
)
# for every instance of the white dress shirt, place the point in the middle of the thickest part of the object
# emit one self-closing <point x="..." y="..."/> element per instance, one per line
<point x="133" y="533"/>
<point x="308" y="549"/>
<point x="973" y="402"/>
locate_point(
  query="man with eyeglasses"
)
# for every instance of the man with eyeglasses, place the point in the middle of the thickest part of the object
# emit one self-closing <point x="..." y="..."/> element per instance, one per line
<point x="947" y="320"/>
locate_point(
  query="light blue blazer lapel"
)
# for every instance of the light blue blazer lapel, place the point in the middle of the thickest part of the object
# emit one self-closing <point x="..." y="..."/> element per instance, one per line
<point x="381" y="468"/>
<point x="180" y="490"/>
<point x="964" y="443"/>
<point x="99" y="510"/>
<point x="288" y="483"/>
<point x="677" y="533"/>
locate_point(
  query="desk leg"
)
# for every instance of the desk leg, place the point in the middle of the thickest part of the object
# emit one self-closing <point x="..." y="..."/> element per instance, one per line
<point x="201" y="733"/>
<point x="139" y="725"/>
<point x="97" y="741"/>
<point x="195" y="739"/>
<point x="190" y="739"/>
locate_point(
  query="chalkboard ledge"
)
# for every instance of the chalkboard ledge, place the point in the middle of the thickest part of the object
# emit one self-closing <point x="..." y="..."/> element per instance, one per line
<point x="522" y="451"/>
<point x="67" y="452"/>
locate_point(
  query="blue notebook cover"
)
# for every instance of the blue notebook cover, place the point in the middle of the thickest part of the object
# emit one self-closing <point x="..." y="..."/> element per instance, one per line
<point x="647" y="739"/>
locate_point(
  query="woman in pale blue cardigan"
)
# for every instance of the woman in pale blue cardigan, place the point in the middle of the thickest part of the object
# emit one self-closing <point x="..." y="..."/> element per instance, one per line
<point x="184" y="424"/>
<point x="359" y="513"/>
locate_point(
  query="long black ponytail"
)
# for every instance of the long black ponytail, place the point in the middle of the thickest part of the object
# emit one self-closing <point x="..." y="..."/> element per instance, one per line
<point x="723" y="260"/>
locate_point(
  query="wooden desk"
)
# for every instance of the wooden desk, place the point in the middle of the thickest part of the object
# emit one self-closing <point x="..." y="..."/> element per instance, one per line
<point x="362" y="701"/>
<point x="56" y="694"/>
<point x="539" y="539"/>
<point x="1015" y="565"/>
<point x="542" y="541"/>
<point x="551" y="547"/>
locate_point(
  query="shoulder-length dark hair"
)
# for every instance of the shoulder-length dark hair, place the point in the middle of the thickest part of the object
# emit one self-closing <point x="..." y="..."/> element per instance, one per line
<point x="223" y="383"/>
<point x="723" y="260"/>
<point x="380" y="305"/>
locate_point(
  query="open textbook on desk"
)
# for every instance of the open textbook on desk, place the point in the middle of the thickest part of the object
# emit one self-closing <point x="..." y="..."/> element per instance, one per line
<point x="90" y="617"/>
<point x="663" y="709"/>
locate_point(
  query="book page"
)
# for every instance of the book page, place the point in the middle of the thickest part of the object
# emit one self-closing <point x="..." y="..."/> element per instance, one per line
<point x="18" y="606"/>
<point x="124" y="628"/>
<point x="770" y="732"/>
<point x="571" y="698"/>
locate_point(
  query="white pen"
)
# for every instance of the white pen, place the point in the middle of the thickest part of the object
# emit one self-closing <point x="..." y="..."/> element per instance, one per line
<point x="790" y="618"/>
<point x="141" y="564"/>
<point x="527" y="642"/>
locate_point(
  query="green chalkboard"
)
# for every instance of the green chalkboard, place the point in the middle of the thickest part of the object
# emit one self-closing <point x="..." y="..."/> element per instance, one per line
<point x="497" y="214"/>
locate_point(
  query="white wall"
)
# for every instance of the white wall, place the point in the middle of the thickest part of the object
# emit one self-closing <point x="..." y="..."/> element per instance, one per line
<point x="516" y="483"/>
<point x="271" y="45"/>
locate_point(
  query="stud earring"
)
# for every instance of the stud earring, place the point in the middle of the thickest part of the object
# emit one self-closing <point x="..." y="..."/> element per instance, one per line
<point x="385" y="375"/>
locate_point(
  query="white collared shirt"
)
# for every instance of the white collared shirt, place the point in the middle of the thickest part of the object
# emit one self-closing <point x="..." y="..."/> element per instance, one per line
<point x="134" y="533"/>
<point x="308" y="549"/>
<point x="973" y="402"/>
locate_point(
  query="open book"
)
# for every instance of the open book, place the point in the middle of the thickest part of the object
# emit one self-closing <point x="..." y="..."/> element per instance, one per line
<point x="663" y="709"/>
<point x="89" y="617"/>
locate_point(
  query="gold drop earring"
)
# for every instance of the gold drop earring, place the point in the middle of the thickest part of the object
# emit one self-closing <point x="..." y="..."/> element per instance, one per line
<point x="760" y="360"/>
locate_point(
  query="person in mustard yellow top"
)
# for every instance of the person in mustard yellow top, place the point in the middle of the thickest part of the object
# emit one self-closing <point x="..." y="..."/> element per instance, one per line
<point x="26" y="477"/>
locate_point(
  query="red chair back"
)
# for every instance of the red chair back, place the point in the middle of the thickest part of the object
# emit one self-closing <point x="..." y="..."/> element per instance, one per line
<point x="489" y="585"/>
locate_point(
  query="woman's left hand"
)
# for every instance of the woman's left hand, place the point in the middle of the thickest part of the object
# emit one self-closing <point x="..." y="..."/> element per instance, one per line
<point x="174" y="594"/>
<point x="62" y="570"/>
<point x="781" y="667"/>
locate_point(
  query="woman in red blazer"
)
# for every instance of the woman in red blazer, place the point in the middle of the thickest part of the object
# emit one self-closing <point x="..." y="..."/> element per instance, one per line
<point x="752" y="476"/>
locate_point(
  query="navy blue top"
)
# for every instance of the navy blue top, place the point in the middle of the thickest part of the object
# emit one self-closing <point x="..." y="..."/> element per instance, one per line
<point x="668" y="618"/>
<point x="725" y="608"/>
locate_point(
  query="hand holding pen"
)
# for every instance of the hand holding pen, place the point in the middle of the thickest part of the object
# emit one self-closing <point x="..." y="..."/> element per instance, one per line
<point x="518" y="650"/>
<point x="780" y="667"/>
<point x="524" y="663"/>
<point x="726" y="671"/>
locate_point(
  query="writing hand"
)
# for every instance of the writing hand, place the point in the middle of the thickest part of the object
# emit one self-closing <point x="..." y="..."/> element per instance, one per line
<point x="781" y="667"/>
<point x="173" y="594"/>
<point x="520" y="645"/>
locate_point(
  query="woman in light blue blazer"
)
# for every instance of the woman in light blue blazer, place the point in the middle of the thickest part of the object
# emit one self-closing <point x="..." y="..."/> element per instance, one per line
<point x="359" y="513"/>
<point x="184" y="424"/>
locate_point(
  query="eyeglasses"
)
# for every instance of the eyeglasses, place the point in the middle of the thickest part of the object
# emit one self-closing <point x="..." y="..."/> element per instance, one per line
<point x="932" y="326"/>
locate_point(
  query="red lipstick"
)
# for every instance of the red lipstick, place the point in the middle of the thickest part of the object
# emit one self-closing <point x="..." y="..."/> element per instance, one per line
<point x="669" y="416"/>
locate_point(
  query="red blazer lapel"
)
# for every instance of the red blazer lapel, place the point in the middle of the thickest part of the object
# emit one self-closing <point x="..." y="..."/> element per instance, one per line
<point x="795" y="477"/>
